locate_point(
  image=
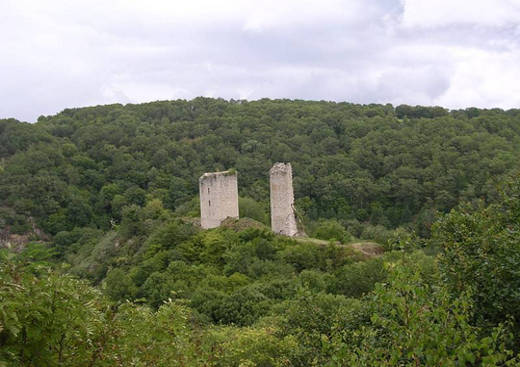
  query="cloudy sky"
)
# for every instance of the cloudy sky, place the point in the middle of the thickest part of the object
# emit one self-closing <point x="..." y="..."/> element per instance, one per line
<point x="62" y="53"/>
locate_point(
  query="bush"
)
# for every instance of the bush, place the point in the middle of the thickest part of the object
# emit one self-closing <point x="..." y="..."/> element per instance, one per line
<point x="357" y="279"/>
<point x="250" y="208"/>
<point x="310" y="318"/>
<point x="481" y="253"/>
<point x="47" y="320"/>
<point x="415" y="321"/>
<point x="231" y="346"/>
<point x="331" y="229"/>
<point x="119" y="285"/>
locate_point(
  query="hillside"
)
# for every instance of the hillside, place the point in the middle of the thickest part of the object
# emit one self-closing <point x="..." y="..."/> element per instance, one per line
<point x="412" y="212"/>
<point x="357" y="164"/>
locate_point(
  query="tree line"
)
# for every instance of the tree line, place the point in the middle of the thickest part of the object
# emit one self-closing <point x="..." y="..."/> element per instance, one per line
<point x="357" y="164"/>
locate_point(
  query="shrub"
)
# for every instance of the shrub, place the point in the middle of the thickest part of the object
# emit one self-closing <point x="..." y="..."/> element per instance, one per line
<point x="415" y="321"/>
<point x="331" y="229"/>
<point x="250" y="208"/>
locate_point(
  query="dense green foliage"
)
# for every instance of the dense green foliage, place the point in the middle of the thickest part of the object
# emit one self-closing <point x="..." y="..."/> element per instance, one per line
<point x="481" y="251"/>
<point x="249" y="298"/>
<point x="389" y="166"/>
<point x="122" y="275"/>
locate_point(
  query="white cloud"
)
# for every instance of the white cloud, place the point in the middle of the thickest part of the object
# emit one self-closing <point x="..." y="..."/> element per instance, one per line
<point x="428" y="13"/>
<point x="58" y="54"/>
<point x="484" y="79"/>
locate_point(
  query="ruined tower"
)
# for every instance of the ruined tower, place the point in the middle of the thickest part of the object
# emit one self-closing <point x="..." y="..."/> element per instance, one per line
<point x="283" y="219"/>
<point x="218" y="198"/>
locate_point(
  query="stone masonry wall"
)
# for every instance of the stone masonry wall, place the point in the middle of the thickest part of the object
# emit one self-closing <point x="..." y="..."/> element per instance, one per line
<point x="218" y="198"/>
<point x="283" y="219"/>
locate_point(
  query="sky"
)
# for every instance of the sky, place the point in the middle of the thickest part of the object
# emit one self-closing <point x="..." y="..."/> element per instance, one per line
<point x="59" y="54"/>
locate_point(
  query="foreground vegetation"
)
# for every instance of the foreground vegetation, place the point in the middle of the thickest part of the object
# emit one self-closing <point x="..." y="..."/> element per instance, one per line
<point x="115" y="271"/>
<point x="248" y="298"/>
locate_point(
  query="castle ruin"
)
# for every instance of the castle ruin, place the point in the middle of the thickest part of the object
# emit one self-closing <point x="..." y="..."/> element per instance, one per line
<point x="283" y="218"/>
<point x="218" y="198"/>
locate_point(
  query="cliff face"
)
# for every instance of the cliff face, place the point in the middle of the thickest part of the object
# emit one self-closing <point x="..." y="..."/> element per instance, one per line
<point x="17" y="242"/>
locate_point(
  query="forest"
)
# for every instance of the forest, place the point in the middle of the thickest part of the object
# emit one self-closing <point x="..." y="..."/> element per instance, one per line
<point x="103" y="261"/>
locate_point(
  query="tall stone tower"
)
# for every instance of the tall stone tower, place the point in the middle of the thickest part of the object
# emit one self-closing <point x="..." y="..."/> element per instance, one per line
<point x="218" y="198"/>
<point x="283" y="219"/>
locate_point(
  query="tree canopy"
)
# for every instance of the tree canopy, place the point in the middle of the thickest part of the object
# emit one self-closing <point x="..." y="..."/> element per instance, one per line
<point x="413" y="215"/>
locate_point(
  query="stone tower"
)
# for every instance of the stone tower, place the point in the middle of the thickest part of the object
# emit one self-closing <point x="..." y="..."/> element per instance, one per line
<point x="283" y="219"/>
<point x="218" y="198"/>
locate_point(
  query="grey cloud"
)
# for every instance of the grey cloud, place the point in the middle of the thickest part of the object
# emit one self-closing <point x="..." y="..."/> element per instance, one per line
<point x="93" y="58"/>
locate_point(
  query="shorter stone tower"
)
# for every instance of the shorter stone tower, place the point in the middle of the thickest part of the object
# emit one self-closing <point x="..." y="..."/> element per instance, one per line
<point x="283" y="219"/>
<point x="218" y="198"/>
